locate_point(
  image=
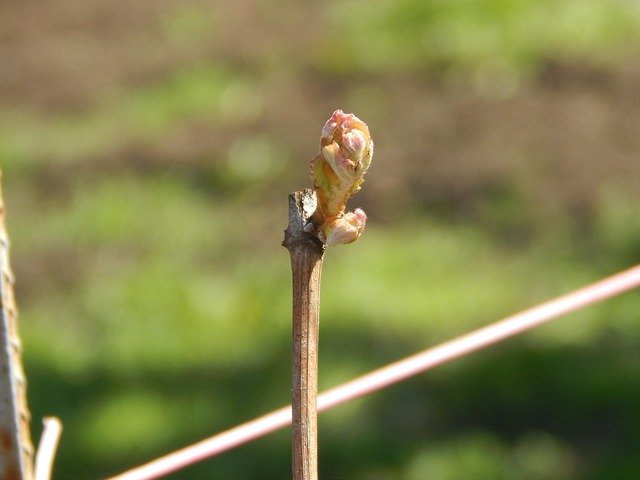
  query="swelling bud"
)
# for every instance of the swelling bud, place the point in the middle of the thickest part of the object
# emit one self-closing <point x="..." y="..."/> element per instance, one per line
<point x="346" y="150"/>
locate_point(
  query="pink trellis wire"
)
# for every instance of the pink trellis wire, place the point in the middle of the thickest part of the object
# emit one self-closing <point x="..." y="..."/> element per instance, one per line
<point x="393" y="373"/>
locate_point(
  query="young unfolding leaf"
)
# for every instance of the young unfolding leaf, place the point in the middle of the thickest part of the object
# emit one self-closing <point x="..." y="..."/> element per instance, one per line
<point x="345" y="154"/>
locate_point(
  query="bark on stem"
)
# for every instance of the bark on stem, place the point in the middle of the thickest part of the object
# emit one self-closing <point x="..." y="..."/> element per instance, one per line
<point x="306" y="253"/>
<point x="16" y="450"/>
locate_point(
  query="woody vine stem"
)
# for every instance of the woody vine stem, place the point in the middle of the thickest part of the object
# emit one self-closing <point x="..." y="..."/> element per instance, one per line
<point x="306" y="253"/>
<point x="317" y="218"/>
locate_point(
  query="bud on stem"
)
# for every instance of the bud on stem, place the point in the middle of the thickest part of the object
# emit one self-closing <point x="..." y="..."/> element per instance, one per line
<point x="345" y="154"/>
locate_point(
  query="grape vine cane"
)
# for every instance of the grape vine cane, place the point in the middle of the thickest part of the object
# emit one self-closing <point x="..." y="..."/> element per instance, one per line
<point x="317" y="218"/>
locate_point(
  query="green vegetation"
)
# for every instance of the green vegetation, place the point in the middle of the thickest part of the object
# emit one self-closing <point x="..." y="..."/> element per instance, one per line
<point x="146" y="224"/>
<point x="494" y="39"/>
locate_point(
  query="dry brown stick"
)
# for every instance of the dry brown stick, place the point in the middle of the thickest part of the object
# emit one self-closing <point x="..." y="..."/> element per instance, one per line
<point x="306" y="253"/>
<point x="16" y="449"/>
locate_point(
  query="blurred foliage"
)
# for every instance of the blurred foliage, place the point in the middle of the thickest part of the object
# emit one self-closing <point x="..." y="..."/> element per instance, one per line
<point x="507" y="38"/>
<point x="146" y="200"/>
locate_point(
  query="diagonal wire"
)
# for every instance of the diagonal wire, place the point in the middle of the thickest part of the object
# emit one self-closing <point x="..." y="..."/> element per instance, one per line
<point x="393" y="373"/>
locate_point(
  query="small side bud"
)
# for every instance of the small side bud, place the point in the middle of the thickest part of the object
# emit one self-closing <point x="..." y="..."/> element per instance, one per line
<point x="344" y="229"/>
<point x="346" y="150"/>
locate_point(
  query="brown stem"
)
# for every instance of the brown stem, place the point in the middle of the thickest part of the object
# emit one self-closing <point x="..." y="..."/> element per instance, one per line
<point x="16" y="450"/>
<point x="306" y="253"/>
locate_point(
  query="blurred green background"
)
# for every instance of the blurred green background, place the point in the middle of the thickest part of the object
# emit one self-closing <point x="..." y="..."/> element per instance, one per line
<point x="148" y="149"/>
